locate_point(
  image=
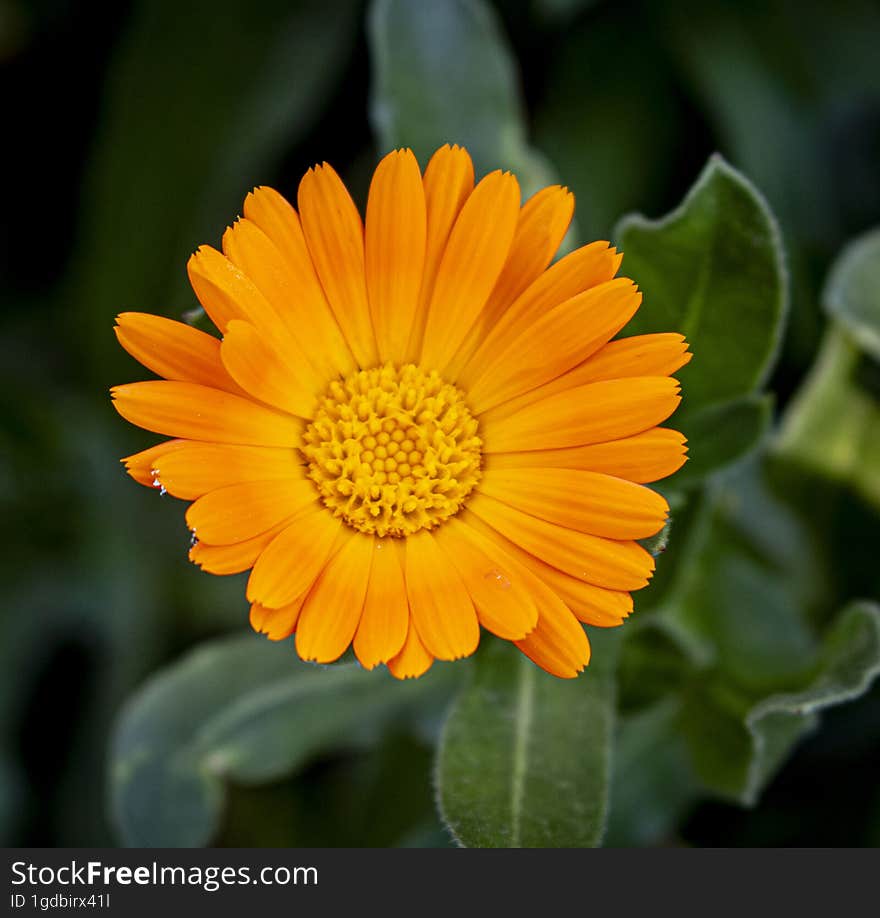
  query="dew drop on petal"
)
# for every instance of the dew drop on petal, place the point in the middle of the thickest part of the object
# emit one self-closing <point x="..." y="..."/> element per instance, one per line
<point x="496" y="578"/>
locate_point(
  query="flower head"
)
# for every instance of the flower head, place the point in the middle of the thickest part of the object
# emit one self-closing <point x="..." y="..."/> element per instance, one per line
<point x="413" y="427"/>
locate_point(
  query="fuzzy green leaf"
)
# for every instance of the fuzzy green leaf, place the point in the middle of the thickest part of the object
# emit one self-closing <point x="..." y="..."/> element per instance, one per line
<point x="833" y="425"/>
<point x="712" y="270"/>
<point x="245" y="710"/>
<point x="525" y="757"/>
<point x="653" y="780"/>
<point x="750" y="741"/>
<point x="748" y="608"/>
<point x="852" y="294"/>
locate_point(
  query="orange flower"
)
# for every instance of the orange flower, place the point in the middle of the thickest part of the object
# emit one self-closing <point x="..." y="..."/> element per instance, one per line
<point x="413" y="428"/>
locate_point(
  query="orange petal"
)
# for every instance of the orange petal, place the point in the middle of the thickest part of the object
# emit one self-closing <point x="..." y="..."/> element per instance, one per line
<point x="591" y="604"/>
<point x="615" y="565"/>
<point x="504" y="606"/>
<point x="335" y="237"/>
<point x="276" y="217"/>
<point x="332" y="611"/>
<point x="441" y="608"/>
<point x="294" y="559"/>
<point x="235" y="558"/>
<point x="642" y="355"/>
<point x="140" y="465"/>
<point x="276" y="624"/>
<point x="645" y="457"/>
<point x="475" y="253"/>
<point x="271" y="251"/>
<point x="413" y="660"/>
<point x="395" y="251"/>
<point x="593" y="413"/>
<point x="174" y="350"/>
<point x="557" y="341"/>
<point x="541" y="227"/>
<point x="196" y="468"/>
<point x="448" y="180"/>
<point x="226" y="293"/>
<point x="584" y="501"/>
<point x="267" y="373"/>
<point x="558" y="643"/>
<point x="194" y="412"/>
<point x="584" y="268"/>
<point x="383" y="626"/>
<point x="543" y="222"/>
<point x="241" y="511"/>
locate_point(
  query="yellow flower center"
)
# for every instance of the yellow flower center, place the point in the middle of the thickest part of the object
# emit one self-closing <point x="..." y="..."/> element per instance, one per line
<point x="393" y="451"/>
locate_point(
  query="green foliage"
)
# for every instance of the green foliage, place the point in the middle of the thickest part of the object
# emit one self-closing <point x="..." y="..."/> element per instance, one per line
<point x="245" y="710"/>
<point x="833" y="426"/>
<point x="442" y="73"/>
<point x="653" y="779"/>
<point x="852" y="295"/>
<point x="750" y="738"/>
<point x="732" y="656"/>
<point x="200" y="101"/>
<point x="762" y="613"/>
<point x="712" y="270"/>
<point x="731" y="669"/>
<point x="524" y="760"/>
<point x="743" y="657"/>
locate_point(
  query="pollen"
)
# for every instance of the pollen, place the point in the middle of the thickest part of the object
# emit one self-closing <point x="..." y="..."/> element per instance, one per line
<point x="393" y="450"/>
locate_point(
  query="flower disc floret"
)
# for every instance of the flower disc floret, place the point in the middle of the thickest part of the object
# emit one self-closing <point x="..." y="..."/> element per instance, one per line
<point x="393" y="451"/>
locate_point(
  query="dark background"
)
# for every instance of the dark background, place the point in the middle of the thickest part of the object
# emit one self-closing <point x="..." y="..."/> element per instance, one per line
<point x="130" y="137"/>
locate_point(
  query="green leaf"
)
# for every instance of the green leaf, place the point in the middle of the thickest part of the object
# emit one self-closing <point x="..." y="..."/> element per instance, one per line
<point x="240" y="709"/>
<point x="442" y="73"/>
<point x="712" y="270"/>
<point x="852" y="294"/>
<point x="748" y="608"/>
<point x="722" y="434"/>
<point x="750" y="742"/>
<point x="752" y="73"/>
<point x="653" y="780"/>
<point x="744" y="586"/>
<point x="850" y="662"/>
<point x="833" y="425"/>
<point x="525" y="757"/>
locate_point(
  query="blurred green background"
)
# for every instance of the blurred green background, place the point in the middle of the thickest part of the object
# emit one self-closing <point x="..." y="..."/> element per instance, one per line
<point x="133" y="136"/>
